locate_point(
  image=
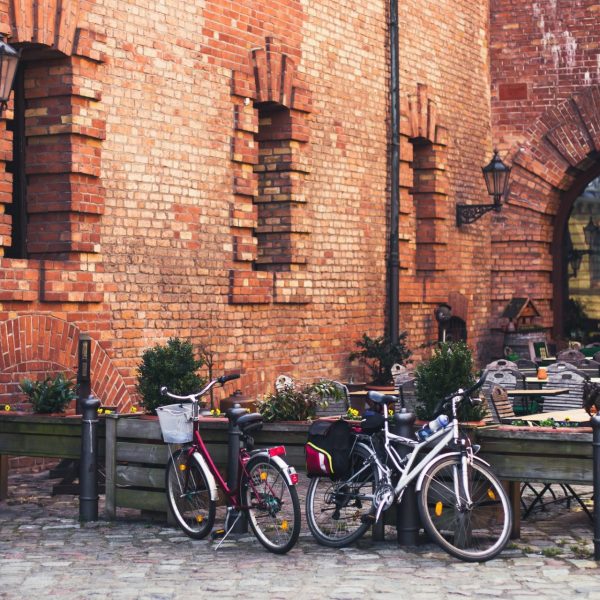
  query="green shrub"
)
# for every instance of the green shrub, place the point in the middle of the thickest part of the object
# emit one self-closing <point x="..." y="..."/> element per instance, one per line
<point x="52" y="395"/>
<point x="291" y="404"/>
<point x="450" y="368"/>
<point x="172" y="365"/>
<point x="380" y="355"/>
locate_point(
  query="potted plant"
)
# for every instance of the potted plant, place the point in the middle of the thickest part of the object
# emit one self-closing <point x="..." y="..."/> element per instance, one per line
<point x="379" y="355"/>
<point x="289" y="403"/>
<point x="172" y="365"/>
<point x="52" y="395"/>
<point x="450" y="368"/>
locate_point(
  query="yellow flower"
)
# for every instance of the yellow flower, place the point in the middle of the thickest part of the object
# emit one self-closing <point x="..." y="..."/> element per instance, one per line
<point x="215" y="412"/>
<point x="567" y="419"/>
<point x="7" y="407"/>
<point x="133" y="409"/>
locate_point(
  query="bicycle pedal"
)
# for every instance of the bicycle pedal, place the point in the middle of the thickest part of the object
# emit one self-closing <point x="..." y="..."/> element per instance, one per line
<point x="217" y="534"/>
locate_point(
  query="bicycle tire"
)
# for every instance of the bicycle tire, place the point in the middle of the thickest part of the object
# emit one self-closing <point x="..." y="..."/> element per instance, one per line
<point x="188" y="495"/>
<point x="337" y="512"/>
<point x="272" y="505"/>
<point x="474" y="534"/>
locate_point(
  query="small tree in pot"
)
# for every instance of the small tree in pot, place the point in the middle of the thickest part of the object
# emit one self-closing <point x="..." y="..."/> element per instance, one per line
<point x="172" y="365"/>
<point x="52" y="395"/>
<point x="450" y="368"/>
<point x="380" y="354"/>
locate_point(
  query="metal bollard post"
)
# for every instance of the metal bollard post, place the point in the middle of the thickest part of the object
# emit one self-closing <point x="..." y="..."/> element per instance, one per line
<point x="407" y="513"/>
<point x="596" y="469"/>
<point x="233" y="450"/>
<point x="88" y="462"/>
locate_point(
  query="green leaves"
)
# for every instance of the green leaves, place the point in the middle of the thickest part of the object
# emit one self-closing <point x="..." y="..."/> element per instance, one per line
<point x="172" y="365"/>
<point x="380" y="355"/>
<point x="50" y="395"/>
<point x="291" y="404"/>
<point x="450" y="368"/>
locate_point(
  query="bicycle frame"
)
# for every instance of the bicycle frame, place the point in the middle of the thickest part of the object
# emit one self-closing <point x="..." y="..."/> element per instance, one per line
<point x="199" y="452"/>
<point x="409" y="471"/>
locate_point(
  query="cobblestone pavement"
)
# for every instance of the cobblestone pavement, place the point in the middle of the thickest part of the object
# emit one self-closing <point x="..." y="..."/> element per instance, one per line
<point x="46" y="552"/>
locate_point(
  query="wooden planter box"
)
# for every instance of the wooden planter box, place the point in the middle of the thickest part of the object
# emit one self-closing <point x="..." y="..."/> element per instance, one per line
<point x="41" y="435"/>
<point x="136" y="457"/>
<point x="537" y="454"/>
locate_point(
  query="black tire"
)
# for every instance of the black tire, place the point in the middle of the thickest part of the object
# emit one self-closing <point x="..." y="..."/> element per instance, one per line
<point x="338" y="512"/>
<point x="273" y="505"/>
<point x="472" y="534"/>
<point x="188" y="495"/>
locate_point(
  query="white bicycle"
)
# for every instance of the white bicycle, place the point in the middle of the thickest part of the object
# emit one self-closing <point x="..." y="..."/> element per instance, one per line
<point x="462" y="504"/>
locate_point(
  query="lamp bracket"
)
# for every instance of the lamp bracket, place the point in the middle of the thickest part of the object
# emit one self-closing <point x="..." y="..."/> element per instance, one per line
<point x="467" y="213"/>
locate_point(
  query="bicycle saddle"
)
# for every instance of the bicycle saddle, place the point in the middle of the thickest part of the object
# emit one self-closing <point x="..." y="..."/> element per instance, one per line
<point x="379" y="398"/>
<point x="249" y="422"/>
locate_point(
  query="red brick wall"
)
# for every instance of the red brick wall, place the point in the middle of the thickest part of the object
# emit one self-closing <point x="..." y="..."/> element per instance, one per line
<point x="178" y="232"/>
<point x="545" y="70"/>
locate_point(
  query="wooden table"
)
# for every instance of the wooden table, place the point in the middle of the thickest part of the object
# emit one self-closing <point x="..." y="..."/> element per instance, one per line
<point x="573" y="415"/>
<point x="530" y="395"/>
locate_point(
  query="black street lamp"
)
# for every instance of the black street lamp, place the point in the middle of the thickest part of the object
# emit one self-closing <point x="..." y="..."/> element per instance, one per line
<point x="9" y="60"/>
<point x="496" y="175"/>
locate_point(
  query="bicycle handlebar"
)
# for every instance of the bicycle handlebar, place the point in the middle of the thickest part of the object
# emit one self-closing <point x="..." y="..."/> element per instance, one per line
<point x="462" y="393"/>
<point x="195" y="396"/>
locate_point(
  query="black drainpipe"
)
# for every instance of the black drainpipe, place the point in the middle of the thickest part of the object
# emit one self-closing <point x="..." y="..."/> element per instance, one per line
<point x="394" y="254"/>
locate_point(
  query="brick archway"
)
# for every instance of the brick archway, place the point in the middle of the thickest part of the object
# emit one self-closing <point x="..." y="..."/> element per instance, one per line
<point x="38" y="343"/>
<point x="561" y="148"/>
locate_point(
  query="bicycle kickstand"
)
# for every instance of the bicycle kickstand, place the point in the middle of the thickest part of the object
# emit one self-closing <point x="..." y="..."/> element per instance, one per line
<point x="230" y="527"/>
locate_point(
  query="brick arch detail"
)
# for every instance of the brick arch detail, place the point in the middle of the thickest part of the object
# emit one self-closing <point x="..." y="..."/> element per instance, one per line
<point x="42" y="343"/>
<point x="52" y="23"/>
<point x="269" y="76"/>
<point x="558" y="149"/>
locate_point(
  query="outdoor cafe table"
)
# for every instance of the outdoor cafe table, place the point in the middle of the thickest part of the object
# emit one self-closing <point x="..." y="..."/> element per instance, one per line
<point x="529" y="396"/>
<point x="574" y="416"/>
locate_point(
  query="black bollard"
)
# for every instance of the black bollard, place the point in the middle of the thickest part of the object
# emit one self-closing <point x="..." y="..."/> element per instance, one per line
<point x="407" y="512"/>
<point x="596" y="469"/>
<point x="88" y="462"/>
<point x="233" y="450"/>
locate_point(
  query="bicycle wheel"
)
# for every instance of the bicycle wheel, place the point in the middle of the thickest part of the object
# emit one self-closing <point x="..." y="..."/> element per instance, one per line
<point x="475" y="532"/>
<point x="337" y="512"/>
<point x="272" y="504"/>
<point x="189" y="495"/>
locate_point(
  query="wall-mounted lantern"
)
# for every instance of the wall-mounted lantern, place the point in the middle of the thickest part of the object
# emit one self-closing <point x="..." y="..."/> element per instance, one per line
<point x="575" y="256"/>
<point x="496" y="175"/>
<point x="9" y="60"/>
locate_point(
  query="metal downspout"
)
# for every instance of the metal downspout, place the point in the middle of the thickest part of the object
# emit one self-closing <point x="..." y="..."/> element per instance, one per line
<point x="394" y="254"/>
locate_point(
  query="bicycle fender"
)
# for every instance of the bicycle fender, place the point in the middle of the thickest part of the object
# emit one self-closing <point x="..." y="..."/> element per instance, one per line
<point x="286" y="469"/>
<point x="212" y="484"/>
<point x="440" y="457"/>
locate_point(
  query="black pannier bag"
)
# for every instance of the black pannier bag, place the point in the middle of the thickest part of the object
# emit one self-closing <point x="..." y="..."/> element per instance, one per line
<point x="328" y="449"/>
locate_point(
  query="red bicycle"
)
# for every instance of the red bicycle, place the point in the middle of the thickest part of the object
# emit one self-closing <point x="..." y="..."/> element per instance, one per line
<point x="266" y="485"/>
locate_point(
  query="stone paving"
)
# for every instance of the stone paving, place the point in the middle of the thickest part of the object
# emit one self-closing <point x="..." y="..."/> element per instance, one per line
<point x="46" y="552"/>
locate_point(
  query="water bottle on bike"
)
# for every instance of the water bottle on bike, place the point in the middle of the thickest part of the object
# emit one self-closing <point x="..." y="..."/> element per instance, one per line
<point x="431" y="427"/>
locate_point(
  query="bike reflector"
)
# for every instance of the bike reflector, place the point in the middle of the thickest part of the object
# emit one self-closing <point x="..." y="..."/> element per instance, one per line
<point x="277" y="451"/>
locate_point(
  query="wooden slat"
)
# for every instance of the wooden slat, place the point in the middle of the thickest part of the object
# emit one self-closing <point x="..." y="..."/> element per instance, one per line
<point x="540" y="468"/>
<point x="141" y="453"/>
<point x="18" y="444"/>
<point x="138" y="476"/>
<point x="143" y="500"/>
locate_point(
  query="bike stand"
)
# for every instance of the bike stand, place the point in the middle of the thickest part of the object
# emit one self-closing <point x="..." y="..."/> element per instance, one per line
<point x="229" y="528"/>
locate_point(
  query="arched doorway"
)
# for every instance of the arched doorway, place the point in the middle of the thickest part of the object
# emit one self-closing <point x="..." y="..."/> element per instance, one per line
<point x="581" y="258"/>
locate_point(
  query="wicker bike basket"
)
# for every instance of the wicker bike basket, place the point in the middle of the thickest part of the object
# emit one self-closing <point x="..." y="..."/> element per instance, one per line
<point x="176" y="423"/>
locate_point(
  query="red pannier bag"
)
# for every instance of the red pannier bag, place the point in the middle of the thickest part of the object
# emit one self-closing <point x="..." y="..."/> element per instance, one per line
<point x="328" y="449"/>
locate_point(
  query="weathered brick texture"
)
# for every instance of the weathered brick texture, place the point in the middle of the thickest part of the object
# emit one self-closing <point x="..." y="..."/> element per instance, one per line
<point x="219" y="171"/>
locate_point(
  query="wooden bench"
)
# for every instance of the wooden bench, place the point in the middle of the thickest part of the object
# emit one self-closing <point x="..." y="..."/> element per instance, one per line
<point x="40" y="436"/>
<point x="136" y="457"/>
